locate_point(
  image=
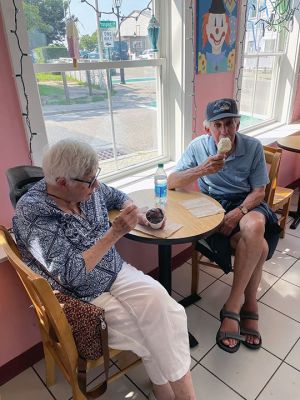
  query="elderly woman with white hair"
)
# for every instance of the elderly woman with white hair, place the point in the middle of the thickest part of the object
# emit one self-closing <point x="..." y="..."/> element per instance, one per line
<point x="62" y="224"/>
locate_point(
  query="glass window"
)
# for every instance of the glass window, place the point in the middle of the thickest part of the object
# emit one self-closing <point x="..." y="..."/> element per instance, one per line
<point x="263" y="51"/>
<point x="110" y="96"/>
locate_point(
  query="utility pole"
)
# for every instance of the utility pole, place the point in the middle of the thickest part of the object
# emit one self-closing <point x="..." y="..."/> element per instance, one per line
<point x="117" y="4"/>
<point x="100" y="47"/>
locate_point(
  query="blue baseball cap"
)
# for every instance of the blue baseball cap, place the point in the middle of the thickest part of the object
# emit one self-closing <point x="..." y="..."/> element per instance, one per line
<point x="222" y="108"/>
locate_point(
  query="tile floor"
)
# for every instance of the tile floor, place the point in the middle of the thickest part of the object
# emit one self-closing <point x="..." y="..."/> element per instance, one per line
<point x="273" y="372"/>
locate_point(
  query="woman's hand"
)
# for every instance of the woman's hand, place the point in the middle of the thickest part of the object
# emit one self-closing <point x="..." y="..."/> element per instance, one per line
<point x="142" y="220"/>
<point x="126" y="220"/>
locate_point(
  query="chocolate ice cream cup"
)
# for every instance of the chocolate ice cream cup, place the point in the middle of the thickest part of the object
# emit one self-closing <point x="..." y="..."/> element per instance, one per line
<point x="155" y="216"/>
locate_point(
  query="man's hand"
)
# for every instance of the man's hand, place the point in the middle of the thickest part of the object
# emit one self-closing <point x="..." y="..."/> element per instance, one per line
<point x="231" y="220"/>
<point x="212" y="164"/>
<point x="126" y="220"/>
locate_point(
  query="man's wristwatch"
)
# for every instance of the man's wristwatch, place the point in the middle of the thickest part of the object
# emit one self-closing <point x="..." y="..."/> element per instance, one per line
<point x="243" y="209"/>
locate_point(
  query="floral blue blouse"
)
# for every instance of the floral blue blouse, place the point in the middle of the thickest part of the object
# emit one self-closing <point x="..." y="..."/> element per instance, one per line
<point x="48" y="236"/>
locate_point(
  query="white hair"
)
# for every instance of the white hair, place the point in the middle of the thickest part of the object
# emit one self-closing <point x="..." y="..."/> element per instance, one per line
<point x="205" y="124"/>
<point x="69" y="158"/>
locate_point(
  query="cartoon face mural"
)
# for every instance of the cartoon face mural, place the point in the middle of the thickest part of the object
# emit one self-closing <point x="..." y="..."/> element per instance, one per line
<point x="216" y="31"/>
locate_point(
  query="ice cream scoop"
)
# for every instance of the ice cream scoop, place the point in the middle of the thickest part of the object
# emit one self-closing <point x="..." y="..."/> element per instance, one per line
<point x="155" y="217"/>
<point x="224" y="145"/>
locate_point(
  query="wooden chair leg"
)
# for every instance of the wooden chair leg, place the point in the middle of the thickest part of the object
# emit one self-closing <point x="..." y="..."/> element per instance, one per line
<point x="50" y="367"/>
<point x="195" y="270"/>
<point x="285" y="214"/>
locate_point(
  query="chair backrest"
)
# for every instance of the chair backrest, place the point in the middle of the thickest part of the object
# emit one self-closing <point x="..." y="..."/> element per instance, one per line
<point x="273" y="157"/>
<point x="20" y="179"/>
<point x="53" y="324"/>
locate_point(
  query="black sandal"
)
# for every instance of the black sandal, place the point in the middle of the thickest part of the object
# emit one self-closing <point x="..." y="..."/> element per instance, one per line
<point x="252" y="332"/>
<point x="229" y="335"/>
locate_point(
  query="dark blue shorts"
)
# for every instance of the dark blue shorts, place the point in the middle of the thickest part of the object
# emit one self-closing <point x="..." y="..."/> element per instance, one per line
<point x="217" y="246"/>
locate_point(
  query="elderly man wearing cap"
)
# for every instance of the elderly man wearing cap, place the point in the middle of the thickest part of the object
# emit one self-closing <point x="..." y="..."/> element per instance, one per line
<point x="237" y="179"/>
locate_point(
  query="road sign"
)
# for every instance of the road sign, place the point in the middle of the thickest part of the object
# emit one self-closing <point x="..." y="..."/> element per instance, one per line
<point x="107" y="24"/>
<point x="108" y="38"/>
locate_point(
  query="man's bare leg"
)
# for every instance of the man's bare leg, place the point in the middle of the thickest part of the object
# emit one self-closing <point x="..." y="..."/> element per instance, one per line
<point x="250" y="303"/>
<point x="250" y="248"/>
<point x="182" y="389"/>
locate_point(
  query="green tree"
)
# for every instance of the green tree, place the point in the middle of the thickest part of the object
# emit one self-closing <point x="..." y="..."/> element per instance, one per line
<point x="47" y="17"/>
<point x="88" y="42"/>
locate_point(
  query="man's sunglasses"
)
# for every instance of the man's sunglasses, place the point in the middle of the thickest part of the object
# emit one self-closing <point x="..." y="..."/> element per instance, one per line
<point x="92" y="181"/>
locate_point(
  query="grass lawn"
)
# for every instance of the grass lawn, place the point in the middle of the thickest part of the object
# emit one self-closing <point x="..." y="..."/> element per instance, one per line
<point x="76" y="100"/>
<point x="46" y="77"/>
<point x="52" y="95"/>
<point x="49" y="90"/>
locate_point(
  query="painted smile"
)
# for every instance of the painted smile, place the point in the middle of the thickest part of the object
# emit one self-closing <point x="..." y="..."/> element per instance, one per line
<point x="216" y="41"/>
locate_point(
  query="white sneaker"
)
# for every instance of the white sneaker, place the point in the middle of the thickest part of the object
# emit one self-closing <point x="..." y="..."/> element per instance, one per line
<point x="151" y="396"/>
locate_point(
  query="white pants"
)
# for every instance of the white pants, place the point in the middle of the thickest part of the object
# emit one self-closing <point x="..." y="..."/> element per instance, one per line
<point x="143" y="318"/>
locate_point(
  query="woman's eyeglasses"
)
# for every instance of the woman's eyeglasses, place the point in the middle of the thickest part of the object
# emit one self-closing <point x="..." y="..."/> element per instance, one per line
<point x="92" y="181"/>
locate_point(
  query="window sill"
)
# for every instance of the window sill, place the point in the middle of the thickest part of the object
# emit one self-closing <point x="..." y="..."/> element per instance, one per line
<point x="140" y="180"/>
<point x="269" y="134"/>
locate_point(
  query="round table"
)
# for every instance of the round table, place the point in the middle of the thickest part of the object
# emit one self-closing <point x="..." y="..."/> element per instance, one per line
<point x="193" y="228"/>
<point x="292" y="143"/>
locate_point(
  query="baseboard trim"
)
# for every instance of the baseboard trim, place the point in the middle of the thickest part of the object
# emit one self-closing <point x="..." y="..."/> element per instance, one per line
<point x="36" y="353"/>
<point x="294" y="185"/>
<point x="21" y="363"/>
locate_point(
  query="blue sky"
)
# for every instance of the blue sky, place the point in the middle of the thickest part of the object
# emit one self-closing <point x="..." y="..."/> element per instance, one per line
<point x="87" y="16"/>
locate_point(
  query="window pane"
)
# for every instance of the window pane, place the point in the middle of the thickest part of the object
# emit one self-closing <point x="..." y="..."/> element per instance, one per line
<point x="119" y="118"/>
<point x="258" y="89"/>
<point x="76" y="104"/>
<point x="52" y="37"/>
<point x="260" y="72"/>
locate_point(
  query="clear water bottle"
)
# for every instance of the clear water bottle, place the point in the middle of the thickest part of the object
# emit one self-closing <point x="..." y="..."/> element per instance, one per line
<point x="160" y="185"/>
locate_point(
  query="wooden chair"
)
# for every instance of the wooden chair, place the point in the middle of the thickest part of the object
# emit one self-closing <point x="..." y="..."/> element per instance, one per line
<point x="278" y="198"/>
<point x="58" y="342"/>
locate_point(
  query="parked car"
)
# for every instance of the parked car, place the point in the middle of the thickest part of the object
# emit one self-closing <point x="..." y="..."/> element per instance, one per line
<point x="147" y="55"/>
<point x="93" y="55"/>
<point x="83" y="53"/>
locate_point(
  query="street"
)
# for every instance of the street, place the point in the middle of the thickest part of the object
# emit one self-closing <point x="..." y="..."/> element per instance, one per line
<point x="134" y="113"/>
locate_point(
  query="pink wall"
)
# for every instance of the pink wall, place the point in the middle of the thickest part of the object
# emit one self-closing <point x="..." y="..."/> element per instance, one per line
<point x="13" y="145"/>
<point x="289" y="170"/>
<point x="143" y="255"/>
<point x="296" y="111"/>
<point x="209" y="87"/>
<point x="19" y="330"/>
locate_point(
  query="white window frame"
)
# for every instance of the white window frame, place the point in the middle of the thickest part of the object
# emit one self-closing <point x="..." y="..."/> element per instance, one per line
<point x="287" y="74"/>
<point x="176" y="104"/>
